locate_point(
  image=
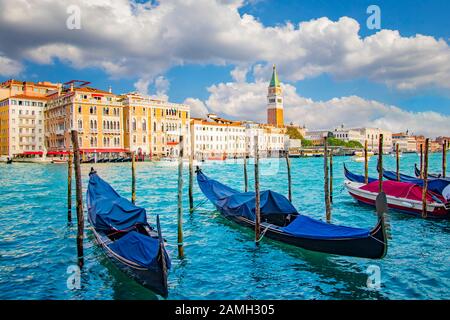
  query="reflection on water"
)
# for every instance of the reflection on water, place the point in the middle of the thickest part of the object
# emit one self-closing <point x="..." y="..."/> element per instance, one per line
<point x="222" y="261"/>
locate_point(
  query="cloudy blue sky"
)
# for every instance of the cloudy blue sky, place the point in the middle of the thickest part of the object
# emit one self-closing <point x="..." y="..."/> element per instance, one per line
<point x="216" y="55"/>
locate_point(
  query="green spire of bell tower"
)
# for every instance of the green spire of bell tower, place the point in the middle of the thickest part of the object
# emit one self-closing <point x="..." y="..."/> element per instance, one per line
<point x="274" y="82"/>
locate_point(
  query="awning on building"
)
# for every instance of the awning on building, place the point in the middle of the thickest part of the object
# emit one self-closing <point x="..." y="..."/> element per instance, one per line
<point x="104" y="150"/>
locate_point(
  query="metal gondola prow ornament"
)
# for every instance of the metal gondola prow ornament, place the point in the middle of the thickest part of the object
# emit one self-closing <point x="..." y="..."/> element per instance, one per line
<point x="382" y="212"/>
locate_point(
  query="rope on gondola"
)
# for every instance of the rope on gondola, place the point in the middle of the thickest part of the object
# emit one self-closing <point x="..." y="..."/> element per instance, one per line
<point x="263" y="233"/>
<point x="382" y="242"/>
<point x="201" y="203"/>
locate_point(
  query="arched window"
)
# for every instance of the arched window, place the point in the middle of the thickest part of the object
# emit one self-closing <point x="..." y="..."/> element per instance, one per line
<point x="134" y="124"/>
<point x="144" y="125"/>
<point x="80" y="124"/>
<point x="92" y="124"/>
<point x="154" y="126"/>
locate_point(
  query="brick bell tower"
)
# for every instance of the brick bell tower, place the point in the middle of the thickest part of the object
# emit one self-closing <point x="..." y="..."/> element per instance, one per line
<point x="275" y="101"/>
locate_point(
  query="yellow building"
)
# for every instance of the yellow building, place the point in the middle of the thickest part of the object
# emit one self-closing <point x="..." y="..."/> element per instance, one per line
<point x="97" y="115"/>
<point x="152" y="127"/>
<point x="21" y="116"/>
<point x="275" y="102"/>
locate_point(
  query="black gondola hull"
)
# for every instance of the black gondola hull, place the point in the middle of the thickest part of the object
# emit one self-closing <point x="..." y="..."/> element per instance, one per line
<point x="154" y="279"/>
<point x="372" y="247"/>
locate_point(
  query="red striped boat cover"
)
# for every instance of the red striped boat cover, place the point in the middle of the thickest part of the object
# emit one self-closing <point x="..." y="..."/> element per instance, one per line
<point x="402" y="190"/>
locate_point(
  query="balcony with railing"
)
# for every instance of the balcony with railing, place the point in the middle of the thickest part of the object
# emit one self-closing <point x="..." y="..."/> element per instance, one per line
<point x="27" y="116"/>
<point x="26" y="125"/>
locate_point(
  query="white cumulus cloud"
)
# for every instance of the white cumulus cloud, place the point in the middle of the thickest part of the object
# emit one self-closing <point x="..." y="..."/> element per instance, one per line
<point x="131" y="39"/>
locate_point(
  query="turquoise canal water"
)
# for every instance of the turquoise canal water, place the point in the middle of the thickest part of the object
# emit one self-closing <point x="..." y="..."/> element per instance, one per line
<point x="222" y="261"/>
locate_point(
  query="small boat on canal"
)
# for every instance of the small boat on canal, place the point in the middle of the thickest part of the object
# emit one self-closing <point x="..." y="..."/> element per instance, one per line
<point x="404" y="197"/>
<point x="122" y="231"/>
<point x="281" y="221"/>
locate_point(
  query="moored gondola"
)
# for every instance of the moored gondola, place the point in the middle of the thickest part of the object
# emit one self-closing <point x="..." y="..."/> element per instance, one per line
<point x="404" y="197"/>
<point x="430" y="175"/>
<point x="122" y="231"/>
<point x="282" y="222"/>
<point x="440" y="186"/>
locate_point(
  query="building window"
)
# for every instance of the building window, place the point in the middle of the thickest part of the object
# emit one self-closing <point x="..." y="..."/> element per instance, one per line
<point x="134" y="124"/>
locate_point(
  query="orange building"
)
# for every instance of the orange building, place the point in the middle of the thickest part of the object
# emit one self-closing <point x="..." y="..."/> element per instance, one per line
<point x="97" y="115"/>
<point x="153" y="126"/>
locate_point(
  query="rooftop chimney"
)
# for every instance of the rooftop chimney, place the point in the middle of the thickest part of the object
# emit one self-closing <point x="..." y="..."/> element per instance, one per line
<point x="110" y="89"/>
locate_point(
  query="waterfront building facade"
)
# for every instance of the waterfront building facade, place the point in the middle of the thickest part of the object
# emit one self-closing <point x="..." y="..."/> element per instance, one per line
<point x="22" y="125"/>
<point x="348" y="134"/>
<point x="21" y="116"/>
<point x="406" y="142"/>
<point x="275" y="111"/>
<point x="441" y="140"/>
<point x="272" y="141"/>
<point x="96" y="115"/>
<point x="317" y="136"/>
<point x="372" y="135"/>
<point x="153" y="127"/>
<point x="217" y="138"/>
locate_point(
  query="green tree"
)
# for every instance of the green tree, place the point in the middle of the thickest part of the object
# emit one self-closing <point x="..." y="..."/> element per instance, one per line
<point x="293" y="133"/>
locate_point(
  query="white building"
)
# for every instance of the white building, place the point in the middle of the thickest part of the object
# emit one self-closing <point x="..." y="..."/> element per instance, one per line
<point x="217" y="138"/>
<point x="348" y="134"/>
<point x="272" y="141"/>
<point x="25" y="124"/>
<point x="372" y="136"/>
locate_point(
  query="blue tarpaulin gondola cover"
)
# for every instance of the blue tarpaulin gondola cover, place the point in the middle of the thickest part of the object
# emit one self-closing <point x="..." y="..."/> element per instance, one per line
<point x="138" y="248"/>
<point x="306" y="227"/>
<point x="231" y="202"/>
<point x="108" y="210"/>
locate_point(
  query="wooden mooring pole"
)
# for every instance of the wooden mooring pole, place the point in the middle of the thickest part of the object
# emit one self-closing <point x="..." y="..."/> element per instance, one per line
<point x="327" y="181"/>
<point x="79" y="197"/>
<point x="288" y="165"/>
<point x="191" y="169"/>
<point x="245" y="172"/>
<point x="133" y="177"/>
<point x="380" y="164"/>
<point x="425" y="180"/>
<point x="257" y="195"/>
<point x="331" y="175"/>
<point x="397" y="154"/>
<point x="366" y="163"/>
<point x="444" y="158"/>
<point x="421" y="161"/>
<point x="180" y="199"/>
<point x="69" y="187"/>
